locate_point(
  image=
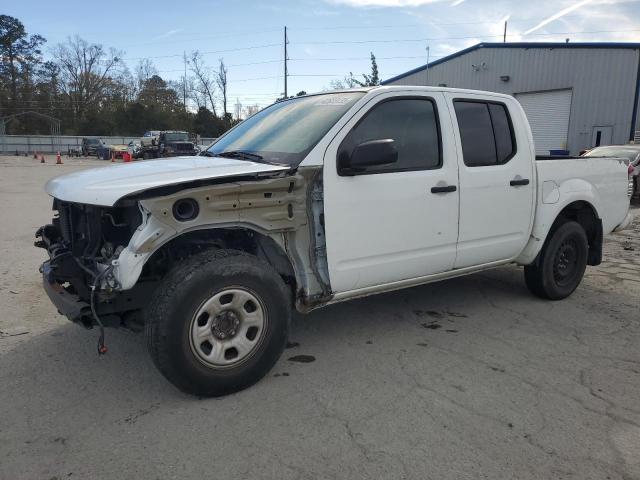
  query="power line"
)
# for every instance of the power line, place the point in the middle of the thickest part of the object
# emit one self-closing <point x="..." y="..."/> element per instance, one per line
<point x="424" y="25"/>
<point x="400" y="40"/>
<point x="253" y="47"/>
<point x="310" y="59"/>
<point x="468" y="37"/>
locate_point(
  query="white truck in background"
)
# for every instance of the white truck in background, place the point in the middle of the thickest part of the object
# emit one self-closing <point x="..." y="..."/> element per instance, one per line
<point x="312" y="201"/>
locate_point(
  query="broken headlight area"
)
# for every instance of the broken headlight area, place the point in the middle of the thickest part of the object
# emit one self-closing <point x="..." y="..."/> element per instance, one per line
<point x="82" y="242"/>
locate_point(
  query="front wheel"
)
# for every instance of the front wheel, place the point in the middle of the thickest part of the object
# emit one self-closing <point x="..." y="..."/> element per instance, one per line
<point x="218" y="323"/>
<point x="561" y="265"/>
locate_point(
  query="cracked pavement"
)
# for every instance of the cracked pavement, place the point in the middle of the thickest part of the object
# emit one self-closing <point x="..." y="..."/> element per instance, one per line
<point x="464" y="379"/>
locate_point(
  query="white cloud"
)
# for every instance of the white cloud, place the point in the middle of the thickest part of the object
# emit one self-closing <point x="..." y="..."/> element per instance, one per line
<point x="168" y="34"/>
<point x="385" y="3"/>
<point x="558" y="15"/>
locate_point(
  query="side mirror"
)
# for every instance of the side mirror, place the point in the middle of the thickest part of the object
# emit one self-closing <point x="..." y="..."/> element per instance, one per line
<point x="368" y="154"/>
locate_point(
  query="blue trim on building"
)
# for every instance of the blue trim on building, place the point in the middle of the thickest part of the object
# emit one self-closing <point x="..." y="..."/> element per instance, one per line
<point x="634" y="116"/>
<point x="525" y="45"/>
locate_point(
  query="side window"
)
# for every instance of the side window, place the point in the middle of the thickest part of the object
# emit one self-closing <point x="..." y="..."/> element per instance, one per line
<point x="412" y="123"/>
<point x="502" y="131"/>
<point x="486" y="133"/>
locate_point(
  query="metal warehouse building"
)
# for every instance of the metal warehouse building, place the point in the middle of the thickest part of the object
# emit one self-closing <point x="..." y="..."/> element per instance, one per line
<point x="576" y="95"/>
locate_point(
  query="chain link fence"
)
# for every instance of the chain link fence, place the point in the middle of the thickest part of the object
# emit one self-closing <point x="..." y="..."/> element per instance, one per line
<point x="27" y="144"/>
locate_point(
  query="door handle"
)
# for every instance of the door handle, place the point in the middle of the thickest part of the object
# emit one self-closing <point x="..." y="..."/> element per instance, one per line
<point x="445" y="189"/>
<point x="519" y="182"/>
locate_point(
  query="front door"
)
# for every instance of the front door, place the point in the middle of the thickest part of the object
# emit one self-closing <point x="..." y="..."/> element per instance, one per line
<point x="397" y="221"/>
<point x="496" y="180"/>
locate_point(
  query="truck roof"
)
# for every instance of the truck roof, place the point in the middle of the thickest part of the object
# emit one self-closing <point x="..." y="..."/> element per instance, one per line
<point x="413" y="88"/>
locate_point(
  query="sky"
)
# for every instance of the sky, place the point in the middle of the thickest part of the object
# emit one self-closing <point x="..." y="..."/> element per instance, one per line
<point x="327" y="38"/>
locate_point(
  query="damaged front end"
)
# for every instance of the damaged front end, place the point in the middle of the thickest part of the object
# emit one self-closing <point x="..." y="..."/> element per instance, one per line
<point x="82" y="241"/>
<point x="104" y="262"/>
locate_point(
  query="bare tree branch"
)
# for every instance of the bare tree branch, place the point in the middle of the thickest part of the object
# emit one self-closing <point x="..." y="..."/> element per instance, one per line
<point x="221" y="81"/>
<point x="203" y="77"/>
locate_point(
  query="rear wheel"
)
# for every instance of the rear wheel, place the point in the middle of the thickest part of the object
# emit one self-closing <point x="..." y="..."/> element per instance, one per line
<point x="218" y="322"/>
<point x="561" y="265"/>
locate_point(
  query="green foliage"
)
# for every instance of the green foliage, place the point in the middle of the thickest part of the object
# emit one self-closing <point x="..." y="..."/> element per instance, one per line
<point x="371" y="80"/>
<point x="91" y="91"/>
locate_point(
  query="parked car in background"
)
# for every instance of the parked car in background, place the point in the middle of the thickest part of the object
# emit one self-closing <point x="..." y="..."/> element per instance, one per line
<point x="134" y="148"/>
<point x="104" y="151"/>
<point x="90" y="146"/>
<point x="150" y="138"/>
<point x="171" y="143"/>
<point x="631" y="152"/>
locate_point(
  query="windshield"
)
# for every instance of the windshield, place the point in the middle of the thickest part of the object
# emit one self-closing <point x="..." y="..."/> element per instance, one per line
<point x="93" y="141"/>
<point x="177" y="137"/>
<point x="621" y="152"/>
<point x="285" y="132"/>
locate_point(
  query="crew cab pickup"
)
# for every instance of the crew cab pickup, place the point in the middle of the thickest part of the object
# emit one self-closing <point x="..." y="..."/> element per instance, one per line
<point x="315" y="200"/>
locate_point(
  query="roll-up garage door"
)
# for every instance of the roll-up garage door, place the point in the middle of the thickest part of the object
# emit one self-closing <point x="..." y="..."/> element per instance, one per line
<point x="548" y="114"/>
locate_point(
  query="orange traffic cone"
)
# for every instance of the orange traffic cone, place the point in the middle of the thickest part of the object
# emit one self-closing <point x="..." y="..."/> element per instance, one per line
<point x="113" y="157"/>
<point x="42" y="158"/>
<point x="35" y="155"/>
<point x="59" y="159"/>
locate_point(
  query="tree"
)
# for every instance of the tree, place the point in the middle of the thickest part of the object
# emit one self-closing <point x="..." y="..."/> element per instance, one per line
<point x="144" y="71"/>
<point x="350" y="81"/>
<point x="157" y="93"/>
<point x="345" y="83"/>
<point x="221" y="80"/>
<point x="85" y="72"/>
<point x="20" y="56"/>
<point x="372" y="80"/>
<point x="206" y="84"/>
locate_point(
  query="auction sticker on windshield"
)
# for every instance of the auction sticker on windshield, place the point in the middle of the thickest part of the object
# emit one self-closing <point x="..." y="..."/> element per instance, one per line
<point x="334" y="100"/>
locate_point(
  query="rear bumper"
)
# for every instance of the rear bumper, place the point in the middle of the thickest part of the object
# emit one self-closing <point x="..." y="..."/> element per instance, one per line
<point x="625" y="223"/>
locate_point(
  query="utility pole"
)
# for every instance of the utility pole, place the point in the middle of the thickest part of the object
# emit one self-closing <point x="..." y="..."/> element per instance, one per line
<point x="504" y="39"/>
<point x="428" y="52"/>
<point x="286" y="72"/>
<point x="184" y="82"/>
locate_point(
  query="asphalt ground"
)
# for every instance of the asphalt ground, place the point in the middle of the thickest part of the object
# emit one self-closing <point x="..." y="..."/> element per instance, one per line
<point x="464" y="379"/>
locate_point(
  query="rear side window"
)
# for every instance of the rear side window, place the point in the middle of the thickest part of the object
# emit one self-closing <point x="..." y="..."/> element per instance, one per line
<point x="412" y="123"/>
<point x="486" y="133"/>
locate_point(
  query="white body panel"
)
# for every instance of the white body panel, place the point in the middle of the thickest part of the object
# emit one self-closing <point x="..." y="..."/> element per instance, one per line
<point x="495" y="217"/>
<point x="602" y="184"/>
<point x="388" y="226"/>
<point x="387" y="230"/>
<point x="106" y="185"/>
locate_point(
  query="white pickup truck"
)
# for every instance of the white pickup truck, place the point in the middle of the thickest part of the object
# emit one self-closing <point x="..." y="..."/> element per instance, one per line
<point x="312" y="201"/>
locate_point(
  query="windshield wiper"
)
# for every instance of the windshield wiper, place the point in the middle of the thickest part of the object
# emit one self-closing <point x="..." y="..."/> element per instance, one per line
<point x="207" y="153"/>
<point x="240" y="154"/>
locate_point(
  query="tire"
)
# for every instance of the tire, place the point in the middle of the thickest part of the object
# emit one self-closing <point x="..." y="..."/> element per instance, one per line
<point x="561" y="265"/>
<point x="191" y="335"/>
<point x="146" y="155"/>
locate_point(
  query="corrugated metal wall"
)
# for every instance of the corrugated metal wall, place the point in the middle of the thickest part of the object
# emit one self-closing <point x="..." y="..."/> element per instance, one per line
<point x="603" y="82"/>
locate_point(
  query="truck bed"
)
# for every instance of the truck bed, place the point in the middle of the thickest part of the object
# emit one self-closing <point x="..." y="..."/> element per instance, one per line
<point x="604" y="178"/>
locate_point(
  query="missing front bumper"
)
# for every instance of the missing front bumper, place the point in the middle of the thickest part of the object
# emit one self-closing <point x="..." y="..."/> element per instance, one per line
<point x="67" y="304"/>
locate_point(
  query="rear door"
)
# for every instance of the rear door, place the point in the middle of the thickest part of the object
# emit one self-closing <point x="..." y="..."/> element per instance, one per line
<point x="399" y="221"/>
<point x="496" y="170"/>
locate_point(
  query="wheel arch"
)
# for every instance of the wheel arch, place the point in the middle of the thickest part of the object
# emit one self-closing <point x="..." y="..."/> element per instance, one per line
<point x="550" y="216"/>
<point x="242" y="238"/>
